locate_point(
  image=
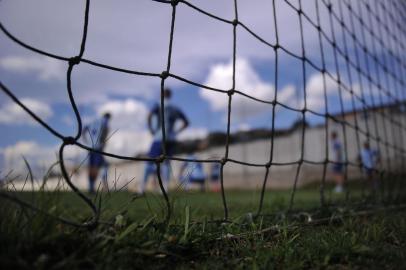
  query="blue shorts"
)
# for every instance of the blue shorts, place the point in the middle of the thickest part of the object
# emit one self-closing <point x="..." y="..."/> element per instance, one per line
<point x="96" y="160"/>
<point x="215" y="178"/>
<point x="196" y="180"/>
<point x="156" y="149"/>
<point x="369" y="171"/>
<point x="337" y="168"/>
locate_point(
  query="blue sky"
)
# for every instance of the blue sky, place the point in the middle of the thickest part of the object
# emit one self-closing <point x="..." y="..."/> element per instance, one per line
<point x="135" y="35"/>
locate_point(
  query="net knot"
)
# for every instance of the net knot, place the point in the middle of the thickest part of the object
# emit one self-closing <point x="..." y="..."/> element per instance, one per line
<point x="223" y="161"/>
<point x="74" y="60"/>
<point x="330" y="7"/>
<point x="174" y="2"/>
<point x="164" y="75"/>
<point x="230" y="92"/>
<point x="268" y="165"/>
<point x="235" y="22"/>
<point x="160" y="159"/>
<point x="69" y="140"/>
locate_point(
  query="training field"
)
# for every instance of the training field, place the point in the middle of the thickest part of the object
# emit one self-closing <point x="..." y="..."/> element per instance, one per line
<point x="133" y="233"/>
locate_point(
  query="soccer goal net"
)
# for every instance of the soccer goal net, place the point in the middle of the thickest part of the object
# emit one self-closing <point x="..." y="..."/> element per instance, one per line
<point x="337" y="68"/>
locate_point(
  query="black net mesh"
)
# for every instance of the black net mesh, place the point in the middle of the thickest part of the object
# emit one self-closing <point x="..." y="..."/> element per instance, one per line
<point x="364" y="44"/>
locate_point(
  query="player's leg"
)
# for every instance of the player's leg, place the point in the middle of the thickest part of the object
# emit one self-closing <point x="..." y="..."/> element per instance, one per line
<point x="338" y="178"/>
<point x="147" y="172"/>
<point x="203" y="185"/>
<point x="92" y="172"/>
<point x="166" y="166"/>
<point x="165" y="174"/>
<point x="150" y="168"/>
<point x="105" y="169"/>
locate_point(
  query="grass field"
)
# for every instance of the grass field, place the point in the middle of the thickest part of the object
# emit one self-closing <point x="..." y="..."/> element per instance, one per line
<point x="133" y="234"/>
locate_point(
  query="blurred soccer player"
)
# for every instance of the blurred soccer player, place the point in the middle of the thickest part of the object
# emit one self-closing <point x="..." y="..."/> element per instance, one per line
<point x="369" y="160"/>
<point x="173" y="115"/>
<point x="215" y="174"/>
<point x="98" y="132"/>
<point x="193" y="172"/>
<point x="337" y="169"/>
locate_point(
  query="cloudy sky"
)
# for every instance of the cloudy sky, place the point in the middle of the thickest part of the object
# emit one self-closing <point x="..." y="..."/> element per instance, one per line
<point x="134" y="35"/>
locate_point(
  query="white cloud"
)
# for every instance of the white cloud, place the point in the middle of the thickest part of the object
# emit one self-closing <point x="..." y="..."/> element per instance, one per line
<point x="367" y="92"/>
<point x="12" y="113"/>
<point x="315" y="90"/>
<point x="45" y="68"/>
<point x="286" y="94"/>
<point x="243" y="127"/>
<point x="193" y="133"/>
<point x="128" y="114"/>
<point x="128" y="143"/>
<point x="39" y="157"/>
<point x="247" y="81"/>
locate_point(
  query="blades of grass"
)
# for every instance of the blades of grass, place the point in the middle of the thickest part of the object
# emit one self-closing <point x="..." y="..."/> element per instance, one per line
<point x="148" y="222"/>
<point x="187" y="221"/>
<point x="46" y="176"/>
<point x="29" y="173"/>
<point x="127" y="231"/>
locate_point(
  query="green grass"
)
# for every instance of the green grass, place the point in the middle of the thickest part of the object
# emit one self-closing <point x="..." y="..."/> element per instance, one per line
<point x="133" y="234"/>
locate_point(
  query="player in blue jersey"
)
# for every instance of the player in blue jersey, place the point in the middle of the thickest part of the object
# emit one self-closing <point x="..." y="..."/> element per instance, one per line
<point x="97" y="132"/>
<point x="173" y="115"/>
<point x="370" y="160"/>
<point x="192" y="173"/>
<point x="215" y="175"/>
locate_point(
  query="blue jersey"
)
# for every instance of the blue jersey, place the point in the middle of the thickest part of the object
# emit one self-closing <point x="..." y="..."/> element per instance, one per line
<point x="337" y="150"/>
<point x="97" y="131"/>
<point x="369" y="158"/>
<point x="172" y="115"/>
